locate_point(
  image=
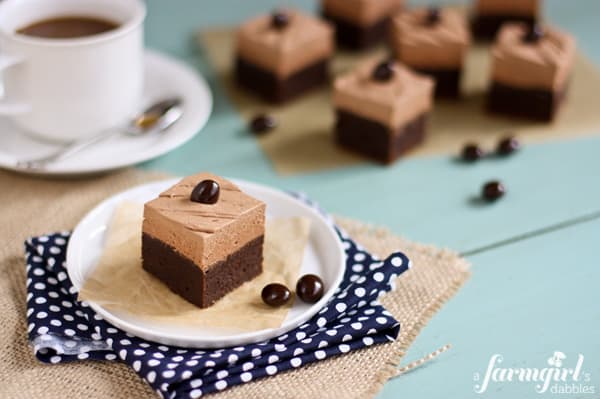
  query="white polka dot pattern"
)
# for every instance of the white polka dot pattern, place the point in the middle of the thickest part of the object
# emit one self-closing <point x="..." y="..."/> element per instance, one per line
<point x="62" y="329"/>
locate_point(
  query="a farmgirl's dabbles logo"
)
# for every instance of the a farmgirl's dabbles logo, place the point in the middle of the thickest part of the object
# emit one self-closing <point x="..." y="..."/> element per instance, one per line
<point x="560" y="376"/>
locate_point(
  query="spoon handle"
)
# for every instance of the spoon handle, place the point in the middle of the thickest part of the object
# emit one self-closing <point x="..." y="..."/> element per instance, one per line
<point x="67" y="151"/>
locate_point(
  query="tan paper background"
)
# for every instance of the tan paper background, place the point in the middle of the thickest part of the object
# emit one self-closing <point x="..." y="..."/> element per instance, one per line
<point x="303" y="142"/>
<point x="148" y="298"/>
<point x="33" y="206"/>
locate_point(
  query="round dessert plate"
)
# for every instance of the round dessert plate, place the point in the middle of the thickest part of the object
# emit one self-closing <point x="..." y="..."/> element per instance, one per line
<point x="323" y="256"/>
<point x="164" y="77"/>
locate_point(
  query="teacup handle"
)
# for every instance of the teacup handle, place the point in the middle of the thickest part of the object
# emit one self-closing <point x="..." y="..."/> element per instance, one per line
<point x="6" y="106"/>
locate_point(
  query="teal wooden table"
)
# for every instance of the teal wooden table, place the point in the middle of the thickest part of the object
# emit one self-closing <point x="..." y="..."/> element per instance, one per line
<point x="536" y="270"/>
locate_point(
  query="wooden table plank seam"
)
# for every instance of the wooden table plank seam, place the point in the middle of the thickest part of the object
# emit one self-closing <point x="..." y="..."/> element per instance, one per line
<point x="589" y="217"/>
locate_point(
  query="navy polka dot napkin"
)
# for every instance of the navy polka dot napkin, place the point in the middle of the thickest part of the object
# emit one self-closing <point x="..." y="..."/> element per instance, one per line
<point x="62" y="329"/>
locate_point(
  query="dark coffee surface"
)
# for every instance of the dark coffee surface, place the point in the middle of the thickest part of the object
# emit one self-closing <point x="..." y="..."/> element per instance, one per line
<point x="67" y="27"/>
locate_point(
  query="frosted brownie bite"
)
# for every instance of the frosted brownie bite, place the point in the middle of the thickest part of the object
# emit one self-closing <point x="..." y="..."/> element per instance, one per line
<point x="490" y="15"/>
<point x="203" y="237"/>
<point x="435" y="42"/>
<point x="531" y="68"/>
<point x="381" y="109"/>
<point x="360" y="24"/>
<point x="283" y="55"/>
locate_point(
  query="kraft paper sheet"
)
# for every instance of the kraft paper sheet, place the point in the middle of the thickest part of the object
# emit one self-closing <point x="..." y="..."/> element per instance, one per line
<point x="118" y="282"/>
<point x="303" y="141"/>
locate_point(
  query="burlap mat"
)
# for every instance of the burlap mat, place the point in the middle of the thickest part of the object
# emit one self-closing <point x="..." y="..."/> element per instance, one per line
<point x="30" y="206"/>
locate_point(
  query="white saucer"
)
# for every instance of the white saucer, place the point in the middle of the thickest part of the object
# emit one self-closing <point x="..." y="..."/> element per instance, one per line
<point x="164" y="77"/>
<point x="324" y="256"/>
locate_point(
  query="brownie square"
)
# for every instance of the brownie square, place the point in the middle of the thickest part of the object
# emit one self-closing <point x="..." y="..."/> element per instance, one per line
<point x="202" y="251"/>
<point x="536" y="104"/>
<point x="382" y="115"/>
<point x="433" y="42"/>
<point x="530" y="71"/>
<point x="202" y="288"/>
<point x="360" y="24"/>
<point x="490" y="15"/>
<point x="374" y="139"/>
<point x="269" y="87"/>
<point x="281" y="56"/>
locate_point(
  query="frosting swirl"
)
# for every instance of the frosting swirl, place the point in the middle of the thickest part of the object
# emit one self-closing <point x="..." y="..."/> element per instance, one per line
<point x="303" y="41"/>
<point x="394" y="102"/>
<point x="545" y="64"/>
<point x="439" y="45"/>
<point x="204" y="233"/>
<point x="362" y="12"/>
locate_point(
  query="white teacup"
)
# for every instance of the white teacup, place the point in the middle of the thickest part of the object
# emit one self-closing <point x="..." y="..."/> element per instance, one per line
<point x="65" y="89"/>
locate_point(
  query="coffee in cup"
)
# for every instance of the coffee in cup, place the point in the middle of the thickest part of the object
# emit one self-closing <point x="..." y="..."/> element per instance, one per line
<point x="67" y="27"/>
<point x="71" y="68"/>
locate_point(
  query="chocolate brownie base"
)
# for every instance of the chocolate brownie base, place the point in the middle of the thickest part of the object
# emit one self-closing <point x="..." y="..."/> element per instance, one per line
<point x="187" y="280"/>
<point x="534" y="104"/>
<point x="447" y="81"/>
<point x="485" y="27"/>
<point x="277" y="90"/>
<point x="356" y="37"/>
<point x="376" y="140"/>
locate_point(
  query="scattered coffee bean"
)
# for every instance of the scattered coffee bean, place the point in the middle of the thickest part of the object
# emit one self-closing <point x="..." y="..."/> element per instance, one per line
<point x="493" y="190"/>
<point x="472" y="152"/>
<point x="508" y="145"/>
<point x="534" y="34"/>
<point x="262" y="123"/>
<point x="433" y="16"/>
<point x="384" y="71"/>
<point x="279" y="19"/>
<point x="309" y="288"/>
<point x="275" y="294"/>
<point x="206" y="192"/>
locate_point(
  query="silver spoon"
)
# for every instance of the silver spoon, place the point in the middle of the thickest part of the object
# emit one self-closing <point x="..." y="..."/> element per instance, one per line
<point x="156" y="118"/>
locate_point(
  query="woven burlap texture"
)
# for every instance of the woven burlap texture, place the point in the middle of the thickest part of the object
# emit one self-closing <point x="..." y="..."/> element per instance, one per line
<point x="33" y="206"/>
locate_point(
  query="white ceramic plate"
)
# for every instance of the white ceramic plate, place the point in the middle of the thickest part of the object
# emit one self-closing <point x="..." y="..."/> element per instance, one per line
<point x="164" y="77"/>
<point x="324" y="256"/>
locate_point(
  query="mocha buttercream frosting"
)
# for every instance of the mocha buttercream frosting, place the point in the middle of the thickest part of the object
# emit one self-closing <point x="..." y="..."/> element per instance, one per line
<point x="508" y="7"/>
<point x="362" y="12"/>
<point x="392" y="103"/>
<point x="204" y="233"/>
<point x="545" y="64"/>
<point x="283" y="51"/>
<point x="422" y="45"/>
